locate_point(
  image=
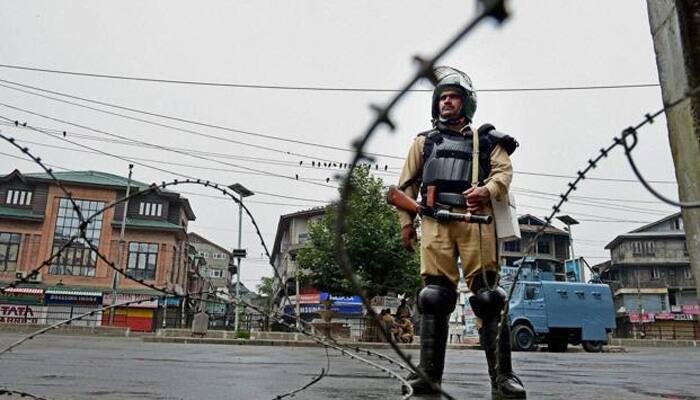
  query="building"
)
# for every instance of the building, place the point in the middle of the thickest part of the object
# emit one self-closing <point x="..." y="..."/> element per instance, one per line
<point x="550" y="252"/>
<point x="37" y="219"/>
<point x="650" y="269"/>
<point x="649" y="273"/>
<point x="292" y="233"/>
<point x="217" y="276"/>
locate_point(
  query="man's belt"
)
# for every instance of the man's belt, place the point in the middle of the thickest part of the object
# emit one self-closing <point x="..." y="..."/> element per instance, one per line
<point x="452" y="199"/>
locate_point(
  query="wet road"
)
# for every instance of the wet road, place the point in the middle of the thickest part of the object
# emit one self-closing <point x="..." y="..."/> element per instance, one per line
<point x="63" y="367"/>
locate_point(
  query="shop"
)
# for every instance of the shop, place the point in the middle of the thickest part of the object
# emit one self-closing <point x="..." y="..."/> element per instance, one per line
<point x="136" y="316"/>
<point x="23" y="306"/>
<point x="66" y="303"/>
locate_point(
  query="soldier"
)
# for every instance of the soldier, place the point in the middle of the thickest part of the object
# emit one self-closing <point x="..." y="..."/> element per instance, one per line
<point x="440" y="161"/>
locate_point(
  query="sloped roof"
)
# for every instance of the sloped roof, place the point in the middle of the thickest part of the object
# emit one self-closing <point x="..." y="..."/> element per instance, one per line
<point x="205" y="240"/>
<point x="643" y="233"/>
<point x="89" y="177"/>
<point x="20" y="213"/>
<point x="655" y="223"/>
<point x="97" y="178"/>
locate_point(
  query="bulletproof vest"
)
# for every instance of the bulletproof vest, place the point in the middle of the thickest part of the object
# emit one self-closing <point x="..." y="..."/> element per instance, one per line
<point x="447" y="161"/>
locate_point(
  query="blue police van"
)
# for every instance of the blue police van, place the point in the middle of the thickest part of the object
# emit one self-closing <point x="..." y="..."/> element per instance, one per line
<point x="560" y="313"/>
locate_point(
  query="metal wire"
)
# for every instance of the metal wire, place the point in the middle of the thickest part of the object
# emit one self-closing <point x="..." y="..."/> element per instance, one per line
<point x="491" y="9"/>
<point x="84" y="222"/>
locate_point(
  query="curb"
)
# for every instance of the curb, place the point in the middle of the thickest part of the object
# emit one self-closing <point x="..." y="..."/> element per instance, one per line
<point x="289" y="343"/>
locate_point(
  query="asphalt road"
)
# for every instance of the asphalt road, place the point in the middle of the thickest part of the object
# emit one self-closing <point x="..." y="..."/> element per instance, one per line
<point x="63" y="367"/>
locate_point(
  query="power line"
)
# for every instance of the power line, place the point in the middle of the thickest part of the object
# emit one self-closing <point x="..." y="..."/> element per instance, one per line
<point x="169" y="117"/>
<point x="541" y="174"/>
<point x="312" y="88"/>
<point x="193" y="193"/>
<point x="152" y="145"/>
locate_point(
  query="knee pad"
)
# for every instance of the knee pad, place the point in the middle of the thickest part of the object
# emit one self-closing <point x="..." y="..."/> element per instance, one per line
<point x="437" y="299"/>
<point x="487" y="304"/>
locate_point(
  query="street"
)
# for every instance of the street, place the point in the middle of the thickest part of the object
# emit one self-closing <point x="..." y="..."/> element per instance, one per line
<point x="64" y="367"/>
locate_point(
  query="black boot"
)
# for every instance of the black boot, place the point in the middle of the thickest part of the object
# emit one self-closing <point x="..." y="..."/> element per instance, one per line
<point x="433" y="345"/>
<point x="504" y="383"/>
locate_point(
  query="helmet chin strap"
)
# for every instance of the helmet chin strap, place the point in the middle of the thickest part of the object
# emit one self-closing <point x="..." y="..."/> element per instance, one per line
<point x="453" y="121"/>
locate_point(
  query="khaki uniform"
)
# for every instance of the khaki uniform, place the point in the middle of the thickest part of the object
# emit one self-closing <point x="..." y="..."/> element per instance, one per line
<point x="441" y="244"/>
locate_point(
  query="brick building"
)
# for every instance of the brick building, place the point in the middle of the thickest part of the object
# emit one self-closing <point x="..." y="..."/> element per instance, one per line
<point x="36" y="219"/>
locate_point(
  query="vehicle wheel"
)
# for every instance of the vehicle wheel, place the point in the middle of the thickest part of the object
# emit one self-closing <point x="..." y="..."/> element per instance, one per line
<point x="592" y="346"/>
<point x="557" y="344"/>
<point x="523" y="338"/>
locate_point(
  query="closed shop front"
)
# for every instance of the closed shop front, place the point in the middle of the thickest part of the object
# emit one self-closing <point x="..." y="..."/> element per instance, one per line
<point x="23" y="306"/>
<point x="67" y="303"/>
<point x="136" y="316"/>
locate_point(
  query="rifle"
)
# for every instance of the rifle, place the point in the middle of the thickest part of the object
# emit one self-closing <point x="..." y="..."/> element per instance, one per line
<point x="400" y="200"/>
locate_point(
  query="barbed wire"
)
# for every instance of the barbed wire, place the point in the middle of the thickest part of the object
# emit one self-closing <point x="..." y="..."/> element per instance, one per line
<point x="85" y="221"/>
<point x="4" y="391"/>
<point x="494" y="9"/>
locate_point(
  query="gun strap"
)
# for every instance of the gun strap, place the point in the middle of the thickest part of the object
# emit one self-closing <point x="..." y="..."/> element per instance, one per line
<point x="475" y="157"/>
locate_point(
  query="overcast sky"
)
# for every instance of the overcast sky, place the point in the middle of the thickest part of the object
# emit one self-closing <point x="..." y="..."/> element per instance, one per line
<point x="340" y="44"/>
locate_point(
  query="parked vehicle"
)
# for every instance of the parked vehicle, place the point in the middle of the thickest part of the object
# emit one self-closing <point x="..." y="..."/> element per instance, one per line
<point x="559" y="313"/>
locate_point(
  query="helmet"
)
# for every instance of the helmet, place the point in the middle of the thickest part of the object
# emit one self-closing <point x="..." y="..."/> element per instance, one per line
<point x="451" y="78"/>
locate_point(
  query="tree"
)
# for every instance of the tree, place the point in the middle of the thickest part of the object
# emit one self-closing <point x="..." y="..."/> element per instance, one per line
<point x="373" y="242"/>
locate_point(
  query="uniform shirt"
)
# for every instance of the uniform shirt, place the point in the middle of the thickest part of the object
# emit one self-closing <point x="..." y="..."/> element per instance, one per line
<point x="497" y="182"/>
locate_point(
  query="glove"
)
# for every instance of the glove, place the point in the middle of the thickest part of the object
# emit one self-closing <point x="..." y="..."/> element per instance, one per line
<point x="408" y="236"/>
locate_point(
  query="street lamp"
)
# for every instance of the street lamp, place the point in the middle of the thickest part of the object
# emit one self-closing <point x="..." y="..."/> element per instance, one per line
<point x="242" y="192"/>
<point x="568" y="221"/>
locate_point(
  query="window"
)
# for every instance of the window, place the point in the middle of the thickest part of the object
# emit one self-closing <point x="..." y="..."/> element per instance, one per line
<point x="216" y="273"/>
<point x="18" y="197"/>
<point x="685" y="248"/>
<point x="532" y="292"/>
<point x="219" y="256"/>
<point x="655" y="273"/>
<point x="9" y="248"/>
<point x="513" y="245"/>
<point x="543" y="246"/>
<point x="143" y="260"/>
<point x="78" y="258"/>
<point x="303" y="237"/>
<point x="678" y="224"/>
<point x="637" y="248"/>
<point x="687" y="273"/>
<point x="203" y="254"/>
<point x="649" y="248"/>
<point x="151" y="209"/>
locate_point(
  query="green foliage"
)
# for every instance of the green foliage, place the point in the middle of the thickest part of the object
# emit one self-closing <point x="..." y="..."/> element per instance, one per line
<point x="265" y="290"/>
<point x="242" y="334"/>
<point x="373" y="241"/>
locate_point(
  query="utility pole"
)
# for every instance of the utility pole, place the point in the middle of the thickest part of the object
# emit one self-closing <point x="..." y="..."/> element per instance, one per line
<point x="242" y="192"/>
<point x="120" y="249"/>
<point x="675" y="30"/>
<point x="298" y="308"/>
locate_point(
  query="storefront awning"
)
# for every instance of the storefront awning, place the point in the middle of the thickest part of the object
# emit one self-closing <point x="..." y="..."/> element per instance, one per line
<point x="24" y="290"/>
<point x="73" y="292"/>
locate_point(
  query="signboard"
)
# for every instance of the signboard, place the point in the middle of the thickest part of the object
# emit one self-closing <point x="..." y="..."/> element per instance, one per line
<point x="22" y="314"/>
<point x="341" y="299"/>
<point x="344" y="309"/>
<point x="663" y="316"/>
<point x="171" y="301"/>
<point x="693" y="309"/>
<point x="56" y="298"/>
<point x="645" y="317"/>
<point x="125" y="297"/>
<point x="311" y="298"/>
